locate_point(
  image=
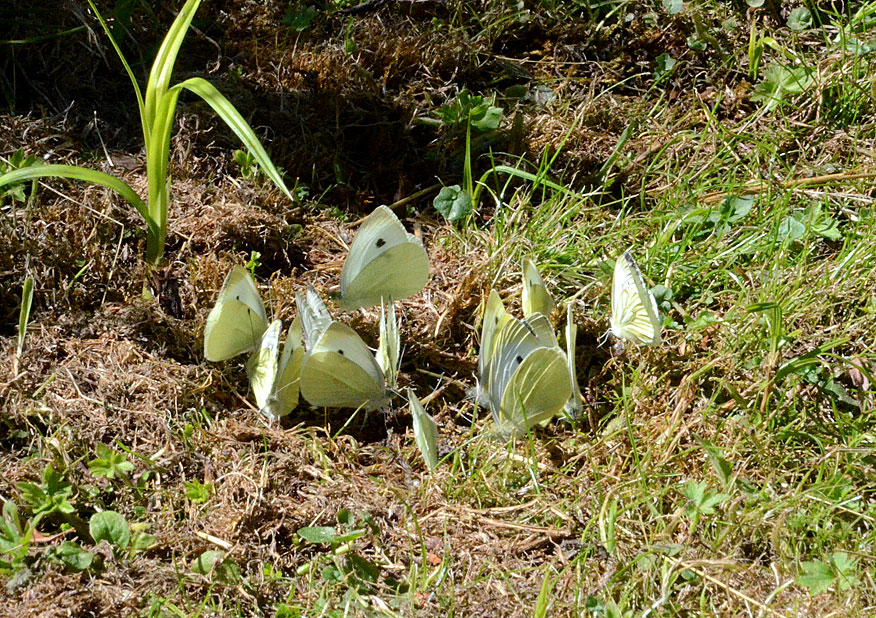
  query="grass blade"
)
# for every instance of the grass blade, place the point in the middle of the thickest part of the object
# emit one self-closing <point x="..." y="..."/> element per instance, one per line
<point x="24" y="313"/>
<point x="236" y="123"/>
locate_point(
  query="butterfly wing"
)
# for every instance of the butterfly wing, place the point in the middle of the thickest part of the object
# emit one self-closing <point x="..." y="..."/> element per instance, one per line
<point x="495" y="318"/>
<point x="574" y="406"/>
<point x="236" y="323"/>
<point x="388" y="349"/>
<point x="261" y="368"/>
<point x="512" y="344"/>
<point x="340" y="372"/>
<point x="541" y="327"/>
<point x="384" y="262"/>
<point x="425" y="431"/>
<point x="634" y="314"/>
<point x="284" y="393"/>
<point x="315" y="316"/>
<point x="536" y="298"/>
<point x="537" y="391"/>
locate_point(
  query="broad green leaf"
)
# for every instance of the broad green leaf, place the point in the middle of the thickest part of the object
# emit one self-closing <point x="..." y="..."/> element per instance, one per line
<point x="790" y="229"/>
<point x="112" y="527"/>
<point x="74" y="557"/>
<point x="203" y="564"/>
<point x="229" y="114"/>
<point x="800" y="19"/>
<point x="319" y="534"/>
<point x="453" y="203"/>
<point x="817" y="576"/>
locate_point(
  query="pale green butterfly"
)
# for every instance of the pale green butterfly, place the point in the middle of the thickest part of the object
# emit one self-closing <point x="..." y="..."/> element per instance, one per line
<point x="528" y="378"/>
<point x="388" y="348"/>
<point x="236" y="323"/>
<point x="338" y="370"/>
<point x="634" y="314"/>
<point x="575" y="404"/>
<point x="384" y="262"/>
<point x="425" y="431"/>
<point x="495" y="318"/>
<point x="536" y="298"/>
<point x="273" y="376"/>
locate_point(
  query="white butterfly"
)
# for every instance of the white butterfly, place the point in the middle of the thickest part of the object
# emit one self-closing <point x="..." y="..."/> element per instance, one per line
<point x="384" y="262"/>
<point x="634" y="314"/>
<point x="425" y="431"/>
<point x="575" y="404"/>
<point x="237" y="321"/>
<point x="238" y="324"/>
<point x="388" y="348"/>
<point x="536" y="298"/>
<point x="495" y="318"/>
<point x="274" y="377"/>
<point x="338" y="370"/>
<point x="526" y="380"/>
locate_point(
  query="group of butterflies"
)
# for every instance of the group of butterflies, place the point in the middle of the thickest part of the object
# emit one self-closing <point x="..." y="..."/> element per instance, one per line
<point x="524" y="377"/>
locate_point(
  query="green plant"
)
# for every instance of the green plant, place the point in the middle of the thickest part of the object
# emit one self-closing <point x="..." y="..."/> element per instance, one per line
<point x="839" y="569"/>
<point x="16" y="190"/>
<point x="110" y="463"/>
<point x="157" y="112"/>
<point x="701" y="501"/>
<point x="24" y="314"/>
<point x="249" y="168"/>
<point x="780" y="81"/>
<point x="14" y="539"/>
<point x="198" y="492"/>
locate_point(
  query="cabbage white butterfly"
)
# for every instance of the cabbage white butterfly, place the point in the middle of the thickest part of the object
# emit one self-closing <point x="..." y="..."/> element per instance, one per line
<point x="384" y="262"/>
<point x="536" y="298"/>
<point x="574" y="406"/>
<point x="389" y="346"/>
<point x="495" y="318"/>
<point x="634" y="314"/>
<point x="425" y="431"/>
<point x="236" y="323"/>
<point x="274" y="376"/>
<point x="338" y="370"/>
<point x="527" y="378"/>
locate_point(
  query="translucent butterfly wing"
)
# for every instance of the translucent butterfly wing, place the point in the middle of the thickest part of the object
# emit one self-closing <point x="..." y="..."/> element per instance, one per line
<point x="384" y="261"/>
<point x="513" y="343"/>
<point x="388" y="349"/>
<point x="538" y="389"/>
<point x="236" y="323"/>
<point x="634" y="314"/>
<point x="536" y="298"/>
<point x="284" y="393"/>
<point x="495" y="318"/>
<point x="425" y="431"/>
<point x="340" y="372"/>
<point x="261" y="368"/>
<point x="315" y="316"/>
<point x="575" y="404"/>
<point x="541" y="327"/>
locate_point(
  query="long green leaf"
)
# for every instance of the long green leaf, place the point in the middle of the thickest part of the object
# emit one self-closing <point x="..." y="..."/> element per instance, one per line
<point x="236" y="123"/>
<point x="162" y="68"/>
<point x="24" y="312"/>
<point x="82" y="173"/>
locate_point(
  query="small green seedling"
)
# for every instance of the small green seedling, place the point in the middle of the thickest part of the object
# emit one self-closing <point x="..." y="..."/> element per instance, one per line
<point x="157" y="113"/>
